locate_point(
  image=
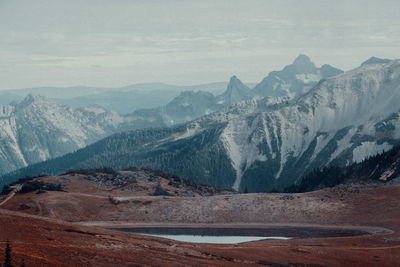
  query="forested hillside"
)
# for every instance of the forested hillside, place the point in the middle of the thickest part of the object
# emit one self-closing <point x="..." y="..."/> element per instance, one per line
<point x="382" y="167"/>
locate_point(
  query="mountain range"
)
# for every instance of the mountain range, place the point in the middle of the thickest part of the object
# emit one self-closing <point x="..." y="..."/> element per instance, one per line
<point x="297" y="77"/>
<point x="263" y="143"/>
<point x="122" y="100"/>
<point x="37" y="128"/>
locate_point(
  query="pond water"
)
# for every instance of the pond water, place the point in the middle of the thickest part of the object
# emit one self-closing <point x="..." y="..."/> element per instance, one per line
<point x="215" y="239"/>
<point x="226" y="235"/>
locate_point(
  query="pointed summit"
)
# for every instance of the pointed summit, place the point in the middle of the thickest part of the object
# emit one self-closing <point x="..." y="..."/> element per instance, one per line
<point x="235" y="82"/>
<point x="303" y="64"/>
<point x="302" y="60"/>
<point x="32" y="99"/>
<point x="236" y="91"/>
<point x="301" y="74"/>
<point x="234" y="78"/>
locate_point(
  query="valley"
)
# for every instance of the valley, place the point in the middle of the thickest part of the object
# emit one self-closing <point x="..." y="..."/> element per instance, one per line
<point x="200" y="133"/>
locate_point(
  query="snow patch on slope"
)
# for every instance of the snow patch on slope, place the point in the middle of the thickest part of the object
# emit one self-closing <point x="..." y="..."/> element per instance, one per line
<point x="343" y="144"/>
<point x="241" y="151"/>
<point x="190" y="131"/>
<point x="367" y="149"/>
<point x="308" y="77"/>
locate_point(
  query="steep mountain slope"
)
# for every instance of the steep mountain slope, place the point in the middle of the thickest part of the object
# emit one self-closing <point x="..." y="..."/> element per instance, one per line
<point x="263" y="144"/>
<point x="294" y="78"/>
<point x="235" y="92"/>
<point x="37" y="129"/>
<point x="383" y="167"/>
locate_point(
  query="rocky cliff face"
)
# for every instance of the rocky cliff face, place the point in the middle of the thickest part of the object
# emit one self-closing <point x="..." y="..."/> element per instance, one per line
<point x="37" y="129"/>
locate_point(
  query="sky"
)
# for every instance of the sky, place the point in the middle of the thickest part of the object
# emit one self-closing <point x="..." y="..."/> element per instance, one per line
<point x="120" y="42"/>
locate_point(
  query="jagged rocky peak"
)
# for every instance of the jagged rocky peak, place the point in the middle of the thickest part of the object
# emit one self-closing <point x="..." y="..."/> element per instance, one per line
<point x="235" y="91"/>
<point x="236" y="84"/>
<point x="234" y="80"/>
<point x="31" y="99"/>
<point x="295" y="78"/>
<point x="375" y="60"/>
<point x="301" y="65"/>
<point x="304" y="64"/>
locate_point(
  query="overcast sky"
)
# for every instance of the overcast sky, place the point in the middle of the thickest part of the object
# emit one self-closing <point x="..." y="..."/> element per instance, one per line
<point x="113" y="43"/>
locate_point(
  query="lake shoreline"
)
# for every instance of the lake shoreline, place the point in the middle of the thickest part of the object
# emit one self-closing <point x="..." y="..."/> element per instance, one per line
<point x="292" y="232"/>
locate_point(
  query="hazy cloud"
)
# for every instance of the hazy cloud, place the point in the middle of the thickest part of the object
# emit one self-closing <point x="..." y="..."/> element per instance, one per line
<point x="114" y="43"/>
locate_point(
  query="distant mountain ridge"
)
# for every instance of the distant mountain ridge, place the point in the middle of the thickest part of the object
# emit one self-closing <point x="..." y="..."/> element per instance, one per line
<point x="122" y="100"/>
<point x="262" y="143"/>
<point x="294" y="79"/>
<point x="375" y="60"/>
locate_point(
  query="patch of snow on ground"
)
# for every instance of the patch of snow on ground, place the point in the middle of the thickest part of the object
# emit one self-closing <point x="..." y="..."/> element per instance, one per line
<point x="343" y="144"/>
<point x="242" y="151"/>
<point x="94" y="110"/>
<point x="9" y="132"/>
<point x="189" y="132"/>
<point x="322" y="141"/>
<point x="367" y="149"/>
<point x="308" y="78"/>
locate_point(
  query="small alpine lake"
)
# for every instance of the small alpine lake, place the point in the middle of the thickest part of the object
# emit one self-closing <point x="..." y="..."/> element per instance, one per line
<point x="235" y="235"/>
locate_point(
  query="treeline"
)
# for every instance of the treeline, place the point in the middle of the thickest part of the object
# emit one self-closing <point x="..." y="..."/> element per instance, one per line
<point x="371" y="169"/>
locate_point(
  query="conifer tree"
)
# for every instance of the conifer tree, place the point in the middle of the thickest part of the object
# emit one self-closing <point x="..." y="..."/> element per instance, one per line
<point x="7" y="257"/>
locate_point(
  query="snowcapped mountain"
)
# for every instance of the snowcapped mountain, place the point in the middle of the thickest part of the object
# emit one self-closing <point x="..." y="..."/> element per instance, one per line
<point x="36" y="129"/>
<point x="267" y="143"/>
<point x="189" y="105"/>
<point x="294" y="78"/>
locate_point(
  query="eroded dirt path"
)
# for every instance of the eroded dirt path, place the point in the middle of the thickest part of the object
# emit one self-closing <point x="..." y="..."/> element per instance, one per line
<point x="10" y="195"/>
